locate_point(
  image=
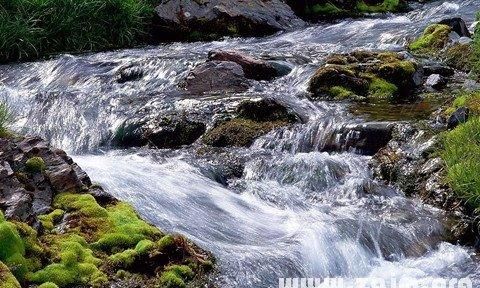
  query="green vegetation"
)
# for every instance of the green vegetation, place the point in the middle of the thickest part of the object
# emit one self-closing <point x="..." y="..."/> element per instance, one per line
<point x="385" y="6"/>
<point x="461" y="151"/>
<point x="476" y="50"/>
<point x="48" y="285"/>
<point x="175" y="276"/>
<point x="34" y="28"/>
<point x="382" y="89"/>
<point x="433" y="39"/>
<point x="7" y="280"/>
<point x="324" y="9"/>
<point x="35" y="165"/>
<point x="340" y="93"/>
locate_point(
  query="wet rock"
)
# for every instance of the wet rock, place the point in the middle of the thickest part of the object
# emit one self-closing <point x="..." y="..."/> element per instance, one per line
<point x="364" y="138"/>
<point x="26" y="193"/>
<point x="253" y="68"/>
<point x="434" y="38"/>
<point x="177" y="19"/>
<point x="366" y="76"/>
<point x="458" y="117"/>
<point x="444" y="71"/>
<point x="216" y="77"/>
<point x="127" y="74"/>
<point x="457" y="25"/>
<point x="167" y="131"/>
<point x="436" y="81"/>
<point x="251" y="122"/>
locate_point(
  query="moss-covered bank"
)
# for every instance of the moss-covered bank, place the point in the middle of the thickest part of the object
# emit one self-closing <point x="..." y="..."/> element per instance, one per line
<point x="83" y="237"/>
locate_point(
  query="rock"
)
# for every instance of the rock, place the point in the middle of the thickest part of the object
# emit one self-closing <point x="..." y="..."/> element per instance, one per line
<point x="458" y="117"/>
<point x="457" y="25"/>
<point x="364" y="138"/>
<point x="27" y="193"/>
<point x="167" y="131"/>
<point x="130" y="73"/>
<point x="464" y="40"/>
<point x="252" y="67"/>
<point x="253" y="119"/>
<point x="444" y="71"/>
<point x="216" y="77"/>
<point x="436" y="81"/>
<point x="458" y="56"/>
<point x="433" y="40"/>
<point x="366" y="75"/>
<point x="178" y="19"/>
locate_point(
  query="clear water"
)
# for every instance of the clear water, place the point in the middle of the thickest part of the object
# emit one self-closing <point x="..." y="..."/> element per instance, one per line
<point x="295" y="212"/>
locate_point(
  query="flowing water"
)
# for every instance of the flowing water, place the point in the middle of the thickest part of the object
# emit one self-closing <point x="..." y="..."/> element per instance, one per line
<point x="296" y="211"/>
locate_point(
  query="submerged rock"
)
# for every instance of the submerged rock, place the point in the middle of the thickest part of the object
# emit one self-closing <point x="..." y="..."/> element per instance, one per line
<point x="194" y="20"/>
<point x="130" y="73"/>
<point x="366" y="76"/>
<point x="216" y="77"/>
<point x="253" y="119"/>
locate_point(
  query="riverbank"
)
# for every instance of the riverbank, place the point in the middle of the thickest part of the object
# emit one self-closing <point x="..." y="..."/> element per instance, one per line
<point x="60" y="230"/>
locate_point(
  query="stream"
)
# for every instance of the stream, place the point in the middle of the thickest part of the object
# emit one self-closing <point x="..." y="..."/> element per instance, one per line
<point x="296" y="211"/>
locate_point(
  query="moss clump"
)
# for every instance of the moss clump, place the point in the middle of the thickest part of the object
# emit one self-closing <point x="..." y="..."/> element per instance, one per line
<point x="48" y="285"/>
<point x="239" y="132"/>
<point x="325" y="9"/>
<point x="7" y="280"/>
<point x="365" y="76"/>
<point x="49" y="220"/>
<point x="382" y="89"/>
<point x="12" y="252"/>
<point x="471" y="100"/>
<point x="459" y="56"/>
<point x="175" y="276"/>
<point x="77" y="264"/>
<point x="35" y="165"/>
<point x="385" y="6"/>
<point x="433" y="39"/>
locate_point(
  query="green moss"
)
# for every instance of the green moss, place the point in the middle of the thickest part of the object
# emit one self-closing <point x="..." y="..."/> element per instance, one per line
<point x="385" y="6"/>
<point x="459" y="56"/>
<point x="325" y="9"/>
<point x="461" y="154"/>
<point x="433" y="39"/>
<point x="48" y="285"/>
<point x="165" y="242"/>
<point x="471" y="100"/>
<point x="77" y="265"/>
<point x="175" y="276"/>
<point x="49" y="220"/>
<point x="12" y="252"/>
<point x="127" y="258"/>
<point x="382" y="89"/>
<point x="239" y="132"/>
<point x="35" y="165"/>
<point x="339" y="92"/>
<point x="7" y="280"/>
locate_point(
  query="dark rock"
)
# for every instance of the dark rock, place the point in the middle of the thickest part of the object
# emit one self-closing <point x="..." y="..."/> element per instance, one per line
<point x="103" y="198"/>
<point x="458" y="117"/>
<point x="364" y="138"/>
<point x="457" y="25"/>
<point x="216" y="77"/>
<point x="252" y="67"/>
<point x="25" y="194"/>
<point x="265" y="110"/>
<point x="168" y="131"/>
<point x="444" y="71"/>
<point x="177" y="19"/>
<point x="131" y="73"/>
<point x="436" y="81"/>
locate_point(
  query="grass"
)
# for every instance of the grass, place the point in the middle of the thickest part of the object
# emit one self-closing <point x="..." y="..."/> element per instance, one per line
<point x="476" y="50"/>
<point x="5" y="118"/>
<point x="34" y="28"/>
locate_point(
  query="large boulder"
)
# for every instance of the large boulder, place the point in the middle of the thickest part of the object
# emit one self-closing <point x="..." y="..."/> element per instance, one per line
<point x="366" y="76"/>
<point x="165" y="131"/>
<point x="216" y="77"/>
<point x="457" y="25"/>
<point x="180" y="19"/>
<point x="253" y="68"/>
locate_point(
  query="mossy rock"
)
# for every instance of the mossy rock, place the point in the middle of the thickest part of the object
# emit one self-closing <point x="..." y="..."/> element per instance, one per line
<point x="434" y="38"/>
<point x="7" y="280"/>
<point x="459" y="56"/>
<point x="366" y="76"/>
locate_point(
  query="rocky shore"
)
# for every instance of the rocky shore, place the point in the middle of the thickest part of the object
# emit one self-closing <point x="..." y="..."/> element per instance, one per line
<point x="57" y="229"/>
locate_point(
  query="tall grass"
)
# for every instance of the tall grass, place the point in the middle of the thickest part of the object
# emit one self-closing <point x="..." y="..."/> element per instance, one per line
<point x="476" y="49"/>
<point x="33" y="28"/>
